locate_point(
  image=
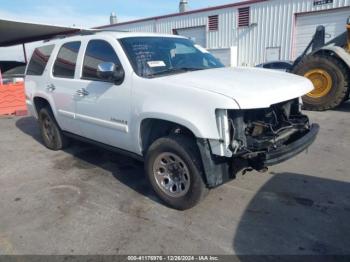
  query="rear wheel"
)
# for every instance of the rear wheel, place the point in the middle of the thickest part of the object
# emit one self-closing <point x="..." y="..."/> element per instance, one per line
<point x="174" y="169"/>
<point x="330" y="79"/>
<point x="51" y="133"/>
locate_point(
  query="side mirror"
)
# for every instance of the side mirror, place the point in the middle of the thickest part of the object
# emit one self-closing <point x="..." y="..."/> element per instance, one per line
<point x="110" y="72"/>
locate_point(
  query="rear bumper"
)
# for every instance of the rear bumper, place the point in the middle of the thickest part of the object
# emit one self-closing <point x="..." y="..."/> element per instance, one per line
<point x="282" y="154"/>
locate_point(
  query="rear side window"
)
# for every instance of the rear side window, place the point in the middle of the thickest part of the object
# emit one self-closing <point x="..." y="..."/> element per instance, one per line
<point x="38" y="62"/>
<point x="97" y="52"/>
<point x="66" y="60"/>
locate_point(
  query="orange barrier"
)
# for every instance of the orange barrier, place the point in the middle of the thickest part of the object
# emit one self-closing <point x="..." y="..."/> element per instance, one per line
<point x="12" y="99"/>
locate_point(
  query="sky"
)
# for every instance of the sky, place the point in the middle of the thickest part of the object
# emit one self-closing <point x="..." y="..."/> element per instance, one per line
<point x="86" y="13"/>
<point x="89" y="13"/>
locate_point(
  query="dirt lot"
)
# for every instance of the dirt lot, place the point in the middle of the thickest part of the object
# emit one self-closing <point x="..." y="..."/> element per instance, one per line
<point x="88" y="201"/>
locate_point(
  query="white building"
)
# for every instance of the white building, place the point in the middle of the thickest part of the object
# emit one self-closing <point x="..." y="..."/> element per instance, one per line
<point x="251" y="32"/>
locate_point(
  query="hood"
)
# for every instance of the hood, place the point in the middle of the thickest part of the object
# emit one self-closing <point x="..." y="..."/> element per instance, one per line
<point x="249" y="87"/>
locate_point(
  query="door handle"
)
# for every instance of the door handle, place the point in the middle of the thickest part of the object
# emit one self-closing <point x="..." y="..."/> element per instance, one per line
<point x="50" y="88"/>
<point x="82" y="92"/>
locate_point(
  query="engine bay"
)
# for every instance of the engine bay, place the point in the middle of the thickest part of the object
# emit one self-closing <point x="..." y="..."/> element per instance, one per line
<point x="263" y="130"/>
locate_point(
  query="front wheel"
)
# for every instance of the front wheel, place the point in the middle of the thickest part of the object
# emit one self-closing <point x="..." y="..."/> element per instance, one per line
<point x="174" y="169"/>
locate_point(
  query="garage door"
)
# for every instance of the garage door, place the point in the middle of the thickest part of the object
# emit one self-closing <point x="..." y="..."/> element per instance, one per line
<point x="197" y="34"/>
<point x="333" y="20"/>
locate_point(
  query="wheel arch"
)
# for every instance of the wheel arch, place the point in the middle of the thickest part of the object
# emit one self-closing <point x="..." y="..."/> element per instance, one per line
<point x="152" y="128"/>
<point x="337" y="52"/>
<point x="39" y="103"/>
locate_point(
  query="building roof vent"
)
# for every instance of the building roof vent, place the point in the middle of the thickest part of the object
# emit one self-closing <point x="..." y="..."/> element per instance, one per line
<point x="113" y="18"/>
<point x="183" y="6"/>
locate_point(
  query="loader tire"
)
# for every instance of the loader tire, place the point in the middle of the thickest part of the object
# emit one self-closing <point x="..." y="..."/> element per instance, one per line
<point x="330" y="78"/>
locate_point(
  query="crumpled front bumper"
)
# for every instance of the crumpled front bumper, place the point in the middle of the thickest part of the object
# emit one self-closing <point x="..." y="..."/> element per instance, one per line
<point x="282" y="154"/>
<point x="218" y="170"/>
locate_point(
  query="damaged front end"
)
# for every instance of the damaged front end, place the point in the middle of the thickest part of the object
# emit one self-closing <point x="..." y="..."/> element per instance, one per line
<point x="260" y="138"/>
<point x="266" y="137"/>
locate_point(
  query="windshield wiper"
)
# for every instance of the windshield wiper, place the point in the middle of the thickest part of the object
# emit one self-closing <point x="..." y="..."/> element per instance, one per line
<point x="175" y="70"/>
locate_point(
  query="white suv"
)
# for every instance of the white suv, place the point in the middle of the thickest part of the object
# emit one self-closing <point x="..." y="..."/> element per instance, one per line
<point x="168" y="102"/>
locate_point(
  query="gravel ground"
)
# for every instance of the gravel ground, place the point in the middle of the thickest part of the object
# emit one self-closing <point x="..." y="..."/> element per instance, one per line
<point x="85" y="200"/>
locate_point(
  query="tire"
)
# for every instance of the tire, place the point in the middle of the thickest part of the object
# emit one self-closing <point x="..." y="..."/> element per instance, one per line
<point x="336" y="71"/>
<point x="346" y="98"/>
<point x="179" y="157"/>
<point x="51" y="133"/>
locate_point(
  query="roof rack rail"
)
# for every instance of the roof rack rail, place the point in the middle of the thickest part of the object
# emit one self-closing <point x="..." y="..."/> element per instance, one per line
<point x="82" y="32"/>
<point x="72" y="33"/>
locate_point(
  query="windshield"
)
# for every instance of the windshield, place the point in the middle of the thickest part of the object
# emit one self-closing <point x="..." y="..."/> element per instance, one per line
<point x="157" y="56"/>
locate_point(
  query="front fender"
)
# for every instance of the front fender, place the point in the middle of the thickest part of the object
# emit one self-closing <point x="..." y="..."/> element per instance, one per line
<point x="199" y="118"/>
<point x="190" y="107"/>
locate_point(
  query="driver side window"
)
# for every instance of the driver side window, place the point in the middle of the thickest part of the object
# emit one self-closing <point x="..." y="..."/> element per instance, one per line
<point x="97" y="52"/>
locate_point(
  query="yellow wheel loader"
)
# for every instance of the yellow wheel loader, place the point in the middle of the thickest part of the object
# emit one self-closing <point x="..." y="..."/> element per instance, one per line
<point x="328" y="67"/>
